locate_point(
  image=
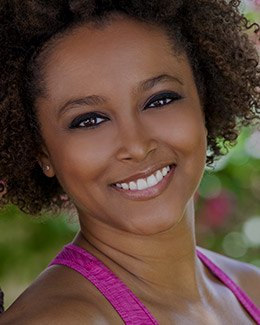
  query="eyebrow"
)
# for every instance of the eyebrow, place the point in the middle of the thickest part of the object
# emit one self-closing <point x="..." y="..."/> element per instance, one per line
<point x="98" y="100"/>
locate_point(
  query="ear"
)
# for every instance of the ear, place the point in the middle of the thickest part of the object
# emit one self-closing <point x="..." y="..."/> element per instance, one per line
<point x="45" y="162"/>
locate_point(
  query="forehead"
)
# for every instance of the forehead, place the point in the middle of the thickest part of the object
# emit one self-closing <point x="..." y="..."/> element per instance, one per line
<point x="90" y="55"/>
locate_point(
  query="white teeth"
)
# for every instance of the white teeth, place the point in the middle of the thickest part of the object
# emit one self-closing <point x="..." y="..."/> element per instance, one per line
<point x="142" y="183"/>
<point x="164" y="171"/>
<point x="151" y="180"/>
<point x="132" y="186"/>
<point x="125" y="186"/>
<point x="159" y="175"/>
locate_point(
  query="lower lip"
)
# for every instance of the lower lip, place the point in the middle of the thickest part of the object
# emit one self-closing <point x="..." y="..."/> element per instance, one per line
<point x="150" y="192"/>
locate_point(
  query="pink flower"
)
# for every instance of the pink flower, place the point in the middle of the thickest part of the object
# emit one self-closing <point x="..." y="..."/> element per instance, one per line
<point x="217" y="210"/>
<point x="253" y="4"/>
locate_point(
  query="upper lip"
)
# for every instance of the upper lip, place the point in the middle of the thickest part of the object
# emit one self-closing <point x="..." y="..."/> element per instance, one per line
<point x="143" y="174"/>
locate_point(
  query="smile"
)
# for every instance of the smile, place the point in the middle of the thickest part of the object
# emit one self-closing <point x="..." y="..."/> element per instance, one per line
<point x="149" y="187"/>
<point x="143" y="183"/>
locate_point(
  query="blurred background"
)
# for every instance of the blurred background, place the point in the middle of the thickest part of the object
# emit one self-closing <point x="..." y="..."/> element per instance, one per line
<point x="227" y="210"/>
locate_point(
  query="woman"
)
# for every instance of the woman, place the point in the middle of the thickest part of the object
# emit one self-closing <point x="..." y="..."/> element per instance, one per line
<point x="119" y="105"/>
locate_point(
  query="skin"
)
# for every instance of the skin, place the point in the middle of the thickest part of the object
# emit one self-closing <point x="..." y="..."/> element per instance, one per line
<point x="149" y="244"/>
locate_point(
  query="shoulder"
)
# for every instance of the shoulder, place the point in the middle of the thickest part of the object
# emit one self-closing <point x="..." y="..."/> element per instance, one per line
<point x="59" y="296"/>
<point x="58" y="314"/>
<point x="246" y="276"/>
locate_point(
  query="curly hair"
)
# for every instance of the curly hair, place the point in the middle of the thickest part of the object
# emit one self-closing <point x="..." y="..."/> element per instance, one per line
<point x="213" y="34"/>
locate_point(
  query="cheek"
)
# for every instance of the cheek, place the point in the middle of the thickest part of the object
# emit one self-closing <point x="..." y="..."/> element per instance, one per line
<point x="185" y="134"/>
<point x="81" y="153"/>
<point x="183" y="130"/>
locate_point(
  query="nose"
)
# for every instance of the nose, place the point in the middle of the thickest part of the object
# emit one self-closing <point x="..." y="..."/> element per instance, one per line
<point x="136" y="141"/>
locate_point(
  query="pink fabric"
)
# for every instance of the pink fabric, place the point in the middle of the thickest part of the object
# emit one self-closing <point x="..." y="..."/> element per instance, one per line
<point x="242" y="297"/>
<point x="127" y="305"/>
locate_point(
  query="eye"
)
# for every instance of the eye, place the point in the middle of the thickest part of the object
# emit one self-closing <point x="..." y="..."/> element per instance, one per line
<point x="163" y="99"/>
<point x="89" y="120"/>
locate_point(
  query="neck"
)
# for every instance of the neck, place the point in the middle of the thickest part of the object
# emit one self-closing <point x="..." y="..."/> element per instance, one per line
<point x="160" y="264"/>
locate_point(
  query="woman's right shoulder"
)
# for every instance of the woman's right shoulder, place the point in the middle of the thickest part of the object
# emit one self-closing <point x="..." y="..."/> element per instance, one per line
<point x="61" y="312"/>
<point x="59" y="296"/>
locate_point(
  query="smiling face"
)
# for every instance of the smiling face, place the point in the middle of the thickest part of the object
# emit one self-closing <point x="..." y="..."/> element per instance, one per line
<point x="144" y="113"/>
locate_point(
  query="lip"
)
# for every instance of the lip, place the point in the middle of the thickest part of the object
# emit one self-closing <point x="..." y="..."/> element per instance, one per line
<point x="148" y="193"/>
<point x="149" y="171"/>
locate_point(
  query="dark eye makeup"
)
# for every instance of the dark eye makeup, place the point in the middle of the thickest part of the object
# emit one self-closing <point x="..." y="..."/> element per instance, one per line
<point x="94" y="119"/>
<point x="88" y="120"/>
<point x="163" y="99"/>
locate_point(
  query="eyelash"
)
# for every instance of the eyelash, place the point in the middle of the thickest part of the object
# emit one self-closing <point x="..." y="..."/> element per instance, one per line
<point x="94" y="116"/>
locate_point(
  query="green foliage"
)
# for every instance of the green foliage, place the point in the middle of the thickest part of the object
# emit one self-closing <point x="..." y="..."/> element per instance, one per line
<point x="27" y="246"/>
<point x="228" y="209"/>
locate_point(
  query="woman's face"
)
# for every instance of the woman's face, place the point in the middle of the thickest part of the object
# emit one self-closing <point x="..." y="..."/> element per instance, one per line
<point x="132" y="128"/>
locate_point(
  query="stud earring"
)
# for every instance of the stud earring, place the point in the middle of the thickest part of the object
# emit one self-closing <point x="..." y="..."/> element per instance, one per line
<point x="2" y="186"/>
<point x="46" y="167"/>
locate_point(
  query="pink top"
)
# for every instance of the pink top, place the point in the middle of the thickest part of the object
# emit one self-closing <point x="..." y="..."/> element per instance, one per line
<point x="127" y="305"/>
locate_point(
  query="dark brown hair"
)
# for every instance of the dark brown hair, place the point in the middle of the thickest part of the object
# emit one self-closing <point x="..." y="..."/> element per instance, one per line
<point x="212" y="33"/>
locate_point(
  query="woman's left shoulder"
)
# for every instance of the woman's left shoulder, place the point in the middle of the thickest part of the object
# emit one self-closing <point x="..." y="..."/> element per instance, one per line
<point x="245" y="275"/>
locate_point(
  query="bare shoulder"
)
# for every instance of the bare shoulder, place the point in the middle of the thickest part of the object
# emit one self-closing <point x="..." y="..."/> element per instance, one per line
<point x="245" y="275"/>
<point x="60" y="296"/>
<point x="58" y="314"/>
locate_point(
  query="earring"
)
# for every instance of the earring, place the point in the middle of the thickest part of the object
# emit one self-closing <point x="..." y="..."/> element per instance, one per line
<point x="2" y="186"/>
<point x="46" y="167"/>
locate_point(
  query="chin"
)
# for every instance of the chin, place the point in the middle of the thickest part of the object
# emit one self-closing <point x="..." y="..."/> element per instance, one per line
<point x="154" y="225"/>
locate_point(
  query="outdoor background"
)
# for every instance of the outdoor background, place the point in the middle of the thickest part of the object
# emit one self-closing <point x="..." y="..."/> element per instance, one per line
<point x="228" y="214"/>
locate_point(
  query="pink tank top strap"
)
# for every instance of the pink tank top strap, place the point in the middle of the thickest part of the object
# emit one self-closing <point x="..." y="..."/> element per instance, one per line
<point x="127" y="305"/>
<point x="242" y="297"/>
